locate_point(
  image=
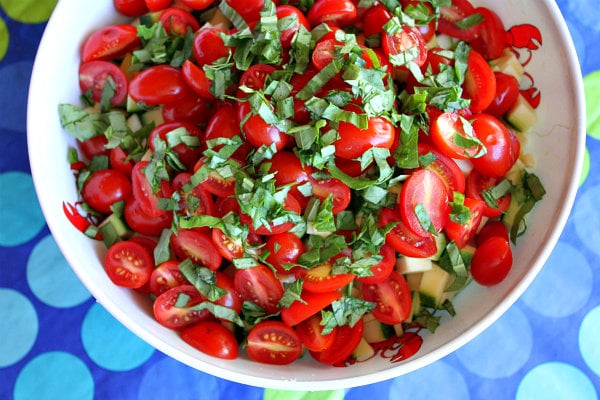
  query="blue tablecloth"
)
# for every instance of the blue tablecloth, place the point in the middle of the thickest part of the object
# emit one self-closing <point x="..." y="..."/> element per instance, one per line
<point x="56" y="342"/>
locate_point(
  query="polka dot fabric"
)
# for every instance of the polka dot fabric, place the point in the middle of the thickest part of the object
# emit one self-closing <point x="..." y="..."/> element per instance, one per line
<point x="57" y="343"/>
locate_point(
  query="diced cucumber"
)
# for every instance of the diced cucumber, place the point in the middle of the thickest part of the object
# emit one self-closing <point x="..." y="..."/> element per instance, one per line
<point x="114" y="229"/>
<point x="153" y="116"/>
<point x="416" y="305"/>
<point x="467" y="254"/>
<point x="522" y="115"/>
<point x="363" y="351"/>
<point x="375" y="331"/>
<point x="414" y="281"/>
<point x="134" y="122"/>
<point x="410" y="265"/>
<point x="509" y="64"/>
<point x="433" y="285"/>
<point x="441" y="242"/>
<point x="511" y="212"/>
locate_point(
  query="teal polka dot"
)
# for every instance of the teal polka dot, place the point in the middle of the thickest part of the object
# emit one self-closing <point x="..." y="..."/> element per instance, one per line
<point x="110" y="344"/>
<point x="484" y="357"/>
<point x="21" y="217"/>
<point x="587" y="219"/>
<point x="556" y="381"/>
<point x="589" y="332"/>
<point x="19" y="328"/>
<point x="563" y="286"/>
<point x="50" y="277"/>
<point x="437" y="381"/>
<point x="54" y="375"/>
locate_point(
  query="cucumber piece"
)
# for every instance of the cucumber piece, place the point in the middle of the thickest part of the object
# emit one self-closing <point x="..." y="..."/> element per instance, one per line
<point x="433" y="285"/>
<point x="414" y="281"/>
<point x="508" y="64"/>
<point x="511" y="212"/>
<point x="522" y="115"/>
<point x="132" y="106"/>
<point x="441" y="242"/>
<point x="153" y="116"/>
<point x="134" y="122"/>
<point x="410" y="265"/>
<point x="363" y="351"/>
<point x="467" y="254"/>
<point x="416" y="306"/>
<point x="515" y="174"/>
<point x="114" y="229"/>
<point x="376" y="331"/>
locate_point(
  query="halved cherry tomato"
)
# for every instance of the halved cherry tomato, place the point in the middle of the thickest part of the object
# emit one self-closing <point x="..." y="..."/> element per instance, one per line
<point x="143" y="192"/>
<point x="507" y="92"/>
<point x="215" y="183"/>
<point x="248" y="9"/>
<point x="196" y="246"/>
<point x="104" y="188"/>
<point x="324" y="52"/>
<point x="128" y="264"/>
<point x="289" y="204"/>
<point x="284" y="250"/>
<point x="382" y="270"/>
<point x="120" y="161"/>
<point x="313" y="303"/>
<point x="158" y="84"/>
<point x="258" y="132"/>
<point x="374" y="19"/>
<point x="445" y="167"/>
<point x="346" y="340"/>
<point x="189" y="108"/>
<point x="353" y="141"/>
<point x="333" y="12"/>
<point x="428" y="31"/>
<point x="392" y="297"/>
<point x="492" y="261"/>
<point x="256" y="76"/>
<point x="449" y="135"/>
<point x="140" y="221"/>
<point x="178" y="317"/>
<point x="424" y="189"/>
<point x="131" y="8"/>
<point x="93" y="75"/>
<point x="310" y="333"/>
<point x="110" y="43"/>
<point x="273" y="342"/>
<point x="165" y="276"/>
<point x="231" y="298"/>
<point x="233" y="248"/>
<point x="338" y="190"/>
<point x="480" y="82"/>
<point x="212" y="338"/>
<point x="208" y="46"/>
<point x="408" y="43"/>
<point x="491" y="229"/>
<point x="450" y="15"/>
<point x="496" y="138"/>
<point x="196" y="78"/>
<point x="475" y="185"/>
<point x="186" y="154"/>
<point x="94" y="146"/>
<point x="403" y="239"/>
<point x="289" y="11"/>
<point x="289" y="170"/>
<point x="177" y="21"/>
<point x="195" y="200"/>
<point x="463" y="234"/>
<point x="491" y="39"/>
<point x="319" y="279"/>
<point x="259" y="285"/>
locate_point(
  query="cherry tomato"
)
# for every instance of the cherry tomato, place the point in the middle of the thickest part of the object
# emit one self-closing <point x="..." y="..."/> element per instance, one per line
<point x="189" y="108"/>
<point x="258" y="132"/>
<point x="310" y="333"/>
<point x="215" y="183"/>
<point x="93" y="75"/>
<point x="450" y="15"/>
<point x="110" y="43"/>
<point x="445" y="131"/>
<point x="374" y="19"/>
<point x="499" y="158"/>
<point x="157" y="5"/>
<point x="507" y="92"/>
<point x="408" y="42"/>
<point x="491" y="229"/>
<point x="128" y="264"/>
<point x="491" y="261"/>
<point x="273" y="342"/>
<point x="335" y="188"/>
<point x="139" y="221"/>
<point x="158" y="84"/>
<point x="256" y="76"/>
<point x="94" y="146"/>
<point x="445" y="167"/>
<point x="208" y="46"/>
<point x="324" y="52"/>
<point x="104" y="188"/>
<point x="231" y="298"/>
<point x="313" y="302"/>
<point x="428" y="31"/>
<point x="232" y="248"/>
<point x="196" y="78"/>
<point x="480" y="83"/>
<point x="284" y="250"/>
<point x="290" y="204"/>
<point x="259" y="285"/>
<point x="382" y="270"/>
<point x="491" y="39"/>
<point x="212" y="338"/>
<point x="177" y="21"/>
<point x="196" y="246"/>
<point x="403" y="239"/>
<point x="198" y="4"/>
<point x="319" y="279"/>
<point x="131" y="8"/>
<point x="168" y="312"/>
<point x="195" y="200"/>
<point x="346" y="340"/>
<point x="288" y="11"/>
<point x="333" y="12"/>
<point x="143" y="192"/>
<point x="427" y="190"/>
<point x="477" y="183"/>
<point x="165" y="276"/>
<point x="463" y="234"/>
<point x="353" y="141"/>
<point x="120" y="161"/>
<point x="392" y="297"/>
<point x="186" y="154"/>
<point x="248" y="9"/>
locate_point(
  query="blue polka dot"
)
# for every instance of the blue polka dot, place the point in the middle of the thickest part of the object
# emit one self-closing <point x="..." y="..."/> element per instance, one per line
<point x="168" y="376"/>
<point x="50" y="277"/>
<point x="563" y="286"/>
<point x="110" y="344"/>
<point x="585" y="12"/>
<point x="428" y="382"/>
<point x="556" y="381"/>
<point x="21" y="217"/>
<point x="18" y="314"/>
<point x="14" y="78"/>
<point x="589" y="332"/>
<point x="485" y="357"/>
<point x="587" y="219"/>
<point x="54" y="375"/>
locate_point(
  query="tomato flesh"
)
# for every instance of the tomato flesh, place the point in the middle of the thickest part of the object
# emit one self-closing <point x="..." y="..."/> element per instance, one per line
<point x="273" y="342"/>
<point x="128" y="264"/>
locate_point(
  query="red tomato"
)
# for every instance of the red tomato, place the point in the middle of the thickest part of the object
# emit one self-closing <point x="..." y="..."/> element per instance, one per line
<point x="428" y="31"/>
<point x="119" y="161"/>
<point x="477" y="183"/>
<point x="507" y="92"/>
<point x="131" y="8"/>
<point x="224" y="123"/>
<point x="409" y="41"/>
<point x="385" y="267"/>
<point x="273" y="342"/>
<point x="94" y="146"/>
<point x="496" y="138"/>
<point x="445" y="131"/>
<point x="346" y="340"/>
<point x="284" y="250"/>
<point x="141" y="222"/>
<point x="446" y="168"/>
<point x="324" y="52"/>
<point x="310" y="333"/>
<point x="392" y="297"/>
<point x="256" y="76"/>
<point x="232" y="248"/>
<point x="198" y="4"/>
<point x="104" y="188"/>
<point x="374" y="19"/>
<point x="492" y="261"/>
<point x="194" y="199"/>
<point x="157" y="5"/>
<point x="215" y="183"/>
<point x="463" y="234"/>
<point x="258" y="132"/>
<point x="290" y="204"/>
<point x="158" y="84"/>
<point x="333" y="12"/>
<point x="403" y="239"/>
<point x="425" y="189"/>
<point x="353" y="141"/>
<point x="196" y="246"/>
<point x="314" y="302"/>
<point x="480" y="83"/>
<point x="450" y="15"/>
<point x="143" y="192"/>
<point x="180" y="316"/>
<point x="231" y="298"/>
<point x="288" y="11"/>
<point x="128" y="264"/>
<point x="93" y="75"/>
<point x="177" y="21"/>
<point x="289" y="170"/>
<point x="491" y="229"/>
<point x="259" y="285"/>
<point x="319" y="279"/>
<point x="491" y="39"/>
<point x="208" y="46"/>
<point x="165" y="276"/>
<point x="110" y="43"/>
<point x="189" y="108"/>
<point x="339" y="191"/>
<point x="212" y="338"/>
<point x="196" y="78"/>
<point x="186" y="154"/>
<point x="248" y="9"/>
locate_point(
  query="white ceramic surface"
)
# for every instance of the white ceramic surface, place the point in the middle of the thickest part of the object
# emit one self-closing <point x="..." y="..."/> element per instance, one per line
<point x="557" y="142"/>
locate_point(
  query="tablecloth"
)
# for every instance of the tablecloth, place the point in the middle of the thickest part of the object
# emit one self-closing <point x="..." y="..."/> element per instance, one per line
<point x="56" y="342"/>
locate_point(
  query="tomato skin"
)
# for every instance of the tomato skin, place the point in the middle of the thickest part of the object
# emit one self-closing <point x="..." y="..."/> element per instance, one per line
<point x="284" y="249"/>
<point x="491" y="39"/>
<point x="190" y="108"/>
<point x="443" y="131"/>
<point x="208" y="46"/>
<point x="128" y="264"/>
<point x="287" y="35"/>
<point x="319" y="279"/>
<point x="110" y="43"/>
<point x="403" y="239"/>
<point x="476" y="183"/>
<point x="428" y="31"/>
<point x="491" y="229"/>
<point x="374" y="19"/>
<point x="310" y="333"/>
<point x="231" y="298"/>
<point x="197" y="246"/>
<point x="158" y="5"/>
<point x="94" y="146"/>
<point x="463" y="234"/>
<point x="273" y="342"/>
<point x="212" y="338"/>
<point x="392" y="297"/>
<point x="178" y="318"/>
<point x="507" y="91"/>
<point x="333" y="12"/>
<point x="458" y="10"/>
<point x="187" y="155"/>
<point x="196" y="78"/>
<point x="353" y="141"/>
<point x="480" y="83"/>
<point x="491" y="261"/>
<point x="166" y="276"/>
<point x="131" y="8"/>
<point x="177" y="21"/>
<point x="258" y="132"/>
<point x="118" y="161"/>
<point x="141" y="222"/>
<point x="496" y="138"/>
<point x="198" y="4"/>
<point x="382" y="270"/>
<point x="346" y="340"/>
<point x="104" y="188"/>
<point x="407" y="39"/>
<point x="259" y="286"/>
<point x="93" y="76"/>
<point x="290" y="204"/>
<point x="248" y="9"/>
<point x="446" y="168"/>
<point x="143" y="193"/>
<point x="158" y="84"/>
<point x="339" y="191"/>
<point x="289" y="170"/>
<point x="315" y="302"/>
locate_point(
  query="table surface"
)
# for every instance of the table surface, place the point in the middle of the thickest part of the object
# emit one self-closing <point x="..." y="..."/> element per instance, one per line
<point x="56" y="342"/>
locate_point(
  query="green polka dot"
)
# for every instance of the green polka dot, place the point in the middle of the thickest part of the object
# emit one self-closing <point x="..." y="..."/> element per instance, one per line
<point x="4" y="38"/>
<point x="273" y="394"/>
<point x="585" y="171"/>
<point x="591" y="84"/>
<point x="29" y="11"/>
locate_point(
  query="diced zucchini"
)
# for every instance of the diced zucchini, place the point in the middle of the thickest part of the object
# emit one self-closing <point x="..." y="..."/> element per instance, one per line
<point x="363" y="351"/>
<point x="410" y="265"/>
<point x="414" y="281"/>
<point x="134" y="122"/>
<point x="153" y="116"/>
<point x="522" y="115"/>
<point x="515" y="174"/>
<point x="132" y="106"/>
<point x="467" y="254"/>
<point x="511" y="212"/>
<point x="416" y="305"/>
<point x="509" y="64"/>
<point x="441" y="242"/>
<point x="376" y="331"/>
<point x="433" y="285"/>
<point x="114" y="229"/>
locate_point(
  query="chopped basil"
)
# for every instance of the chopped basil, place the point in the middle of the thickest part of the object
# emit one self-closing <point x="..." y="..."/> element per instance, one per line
<point x="469" y="21"/>
<point x="459" y="212"/>
<point x="291" y="294"/>
<point x="202" y="279"/>
<point x="345" y="311"/>
<point x="452" y="261"/>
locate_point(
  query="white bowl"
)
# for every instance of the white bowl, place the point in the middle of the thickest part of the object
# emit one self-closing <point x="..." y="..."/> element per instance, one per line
<point x="557" y="142"/>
